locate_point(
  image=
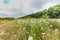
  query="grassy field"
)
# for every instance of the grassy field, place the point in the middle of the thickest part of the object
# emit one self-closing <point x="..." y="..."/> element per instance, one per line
<point x="30" y="29"/>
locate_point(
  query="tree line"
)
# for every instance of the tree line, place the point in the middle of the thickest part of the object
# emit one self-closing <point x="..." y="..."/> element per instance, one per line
<point x="51" y="12"/>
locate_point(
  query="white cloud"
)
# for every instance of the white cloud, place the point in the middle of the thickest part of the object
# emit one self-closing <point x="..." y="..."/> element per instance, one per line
<point x="15" y="4"/>
<point x="47" y="5"/>
<point x="15" y="7"/>
<point x="18" y="8"/>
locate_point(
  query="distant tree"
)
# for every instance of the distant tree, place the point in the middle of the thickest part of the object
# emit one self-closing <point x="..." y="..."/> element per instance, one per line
<point x="52" y="12"/>
<point x="44" y="14"/>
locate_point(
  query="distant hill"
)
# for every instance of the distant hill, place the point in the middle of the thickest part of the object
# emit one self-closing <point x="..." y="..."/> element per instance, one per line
<point x="52" y="12"/>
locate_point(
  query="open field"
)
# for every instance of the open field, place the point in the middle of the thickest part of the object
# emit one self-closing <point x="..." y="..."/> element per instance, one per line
<point x="30" y="29"/>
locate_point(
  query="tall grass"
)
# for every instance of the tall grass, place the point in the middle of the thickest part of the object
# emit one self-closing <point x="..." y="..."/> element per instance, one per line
<point x="35" y="29"/>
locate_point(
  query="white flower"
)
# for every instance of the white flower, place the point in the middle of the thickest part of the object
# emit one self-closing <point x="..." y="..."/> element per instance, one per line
<point x="42" y="28"/>
<point x="2" y="33"/>
<point x="43" y="33"/>
<point x="27" y="32"/>
<point x="40" y="21"/>
<point x="56" y="29"/>
<point x="49" y="30"/>
<point x="51" y="25"/>
<point x="30" y="38"/>
<point x="24" y="28"/>
<point x="34" y="34"/>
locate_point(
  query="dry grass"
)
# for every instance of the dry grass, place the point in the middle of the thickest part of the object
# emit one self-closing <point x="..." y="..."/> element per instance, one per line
<point x="20" y="29"/>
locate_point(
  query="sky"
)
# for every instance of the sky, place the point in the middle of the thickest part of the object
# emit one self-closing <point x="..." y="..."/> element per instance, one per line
<point x="18" y="8"/>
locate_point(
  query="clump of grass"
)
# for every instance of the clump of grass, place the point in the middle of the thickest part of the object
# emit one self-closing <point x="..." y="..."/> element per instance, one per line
<point x="38" y="29"/>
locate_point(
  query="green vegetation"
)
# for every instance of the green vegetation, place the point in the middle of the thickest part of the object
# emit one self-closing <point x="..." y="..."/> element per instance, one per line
<point x="7" y="18"/>
<point x="52" y="12"/>
<point x="32" y="29"/>
<point x="23" y="29"/>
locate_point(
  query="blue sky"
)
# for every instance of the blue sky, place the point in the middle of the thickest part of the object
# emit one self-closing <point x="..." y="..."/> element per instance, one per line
<point x="6" y="1"/>
<point x="18" y="8"/>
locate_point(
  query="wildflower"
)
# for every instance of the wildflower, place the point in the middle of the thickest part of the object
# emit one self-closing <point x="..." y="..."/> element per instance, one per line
<point x="56" y="29"/>
<point x="30" y="38"/>
<point x="43" y="33"/>
<point x="24" y="28"/>
<point x="51" y="25"/>
<point x="34" y="34"/>
<point x="41" y="28"/>
<point x="40" y="21"/>
<point x="27" y="32"/>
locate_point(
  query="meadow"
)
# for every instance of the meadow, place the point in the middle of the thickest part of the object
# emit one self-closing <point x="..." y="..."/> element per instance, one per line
<point x="30" y="29"/>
